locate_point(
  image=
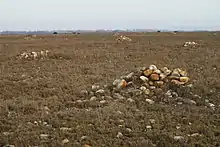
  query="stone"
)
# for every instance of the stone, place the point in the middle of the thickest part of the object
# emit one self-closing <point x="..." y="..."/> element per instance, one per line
<point x="83" y="138"/>
<point x="184" y="79"/>
<point x="86" y="145"/>
<point x="102" y="102"/>
<point x="157" y="71"/>
<point x="153" y="67"/>
<point x="84" y="93"/>
<point x="95" y="87"/>
<point x="79" y="101"/>
<point x="100" y="92"/>
<point x="119" y="135"/>
<point x="159" y="83"/>
<point x="162" y="76"/>
<point x="183" y="73"/>
<point x="176" y="72"/>
<point x="146" y="91"/>
<point x="93" y="98"/>
<point x="147" y="72"/>
<point x="166" y="71"/>
<point x="143" y="88"/>
<point x="44" y="136"/>
<point x="149" y="101"/>
<point x="176" y="82"/>
<point x="148" y="127"/>
<point x="129" y="77"/>
<point x="118" y="96"/>
<point x="144" y="79"/>
<point x="177" y="138"/>
<point x="122" y="84"/>
<point x="128" y="130"/>
<point x="151" y="83"/>
<point x="130" y="100"/>
<point x="154" y="77"/>
<point x="65" y="129"/>
<point x="65" y="141"/>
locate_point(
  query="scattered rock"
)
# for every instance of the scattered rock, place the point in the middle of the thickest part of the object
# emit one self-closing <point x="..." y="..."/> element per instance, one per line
<point x="102" y="102"/>
<point x="83" y="138"/>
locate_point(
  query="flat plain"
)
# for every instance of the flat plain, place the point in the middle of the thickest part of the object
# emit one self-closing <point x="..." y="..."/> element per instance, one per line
<point x="40" y="103"/>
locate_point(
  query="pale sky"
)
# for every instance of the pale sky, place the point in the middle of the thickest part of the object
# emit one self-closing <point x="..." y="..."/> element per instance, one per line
<point x="111" y="14"/>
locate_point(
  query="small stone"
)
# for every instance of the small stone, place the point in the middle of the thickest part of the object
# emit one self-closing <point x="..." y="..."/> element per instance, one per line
<point x="79" y="101"/>
<point x="179" y="103"/>
<point x="147" y="72"/>
<point x="44" y="136"/>
<point x="128" y="130"/>
<point x="95" y="87"/>
<point x="153" y="67"/>
<point x="183" y="73"/>
<point x="84" y="93"/>
<point x="144" y="79"/>
<point x="146" y="91"/>
<point x="154" y="77"/>
<point x="152" y="87"/>
<point x="157" y="71"/>
<point x="192" y="102"/>
<point x="129" y="77"/>
<point x="46" y="108"/>
<point x="44" y="123"/>
<point x="174" y="77"/>
<point x="119" y="135"/>
<point x="184" y="79"/>
<point x="166" y="71"/>
<point x="176" y="72"/>
<point x="149" y="101"/>
<point x="176" y="82"/>
<point x="178" y="138"/>
<point x="93" y="98"/>
<point x="195" y="134"/>
<point x="152" y="121"/>
<point x="9" y="145"/>
<point x="102" y="102"/>
<point x="130" y="100"/>
<point x="151" y="83"/>
<point x="122" y="84"/>
<point x="64" y="141"/>
<point x="190" y="85"/>
<point x="83" y="138"/>
<point x="211" y="105"/>
<point x="108" y="97"/>
<point x="148" y="127"/>
<point x="162" y="76"/>
<point x="118" y="96"/>
<point x="100" y="91"/>
<point x="65" y="129"/>
<point x="143" y="88"/>
<point x="159" y="83"/>
<point x="86" y="145"/>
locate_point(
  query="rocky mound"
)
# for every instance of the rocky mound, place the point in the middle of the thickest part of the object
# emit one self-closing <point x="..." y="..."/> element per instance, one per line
<point x="150" y="85"/>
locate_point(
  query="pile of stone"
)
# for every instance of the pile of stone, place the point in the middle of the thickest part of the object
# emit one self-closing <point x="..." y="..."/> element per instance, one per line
<point x="145" y="82"/>
<point x="190" y="43"/>
<point x="34" y="55"/>
<point x="122" y="38"/>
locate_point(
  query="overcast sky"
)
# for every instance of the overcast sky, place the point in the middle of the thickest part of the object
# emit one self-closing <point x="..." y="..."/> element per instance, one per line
<point x="111" y="14"/>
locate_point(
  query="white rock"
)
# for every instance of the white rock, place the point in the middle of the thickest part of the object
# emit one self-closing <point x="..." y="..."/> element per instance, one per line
<point x="130" y="100"/>
<point x="178" y="138"/>
<point x="149" y="101"/>
<point x="93" y="98"/>
<point x="44" y="136"/>
<point x="100" y="91"/>
<point x="84" y="138"/>
<point x="148" y="127"/>
<point x="143" y="88"/>
<point x="102" y="102"/>
<point x="65" y="129"/>
<point x="128" y="129"/>
<point x="64" y="141"/>
<point x="119" y="135"/>
<point x="144" y="79"/>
